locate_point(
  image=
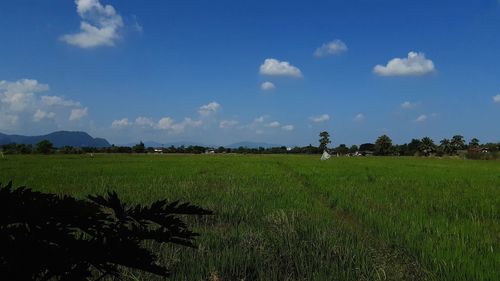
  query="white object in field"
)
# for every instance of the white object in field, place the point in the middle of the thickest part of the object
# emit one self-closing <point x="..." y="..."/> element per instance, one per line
<point x="325" y="156"/>
<point x="1" y="152"/>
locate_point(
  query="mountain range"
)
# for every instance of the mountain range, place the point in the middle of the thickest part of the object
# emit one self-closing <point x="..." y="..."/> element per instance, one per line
<point x="246" y="144"/>
<point x="58" y="139"/>
<point x="82" y="139"/>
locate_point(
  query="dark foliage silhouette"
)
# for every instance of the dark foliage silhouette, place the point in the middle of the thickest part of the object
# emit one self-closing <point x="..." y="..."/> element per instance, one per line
<point x="49" y="237"/>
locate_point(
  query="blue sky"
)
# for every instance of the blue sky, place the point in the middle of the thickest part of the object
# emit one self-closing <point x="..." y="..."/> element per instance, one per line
<point x="218" y="72"/>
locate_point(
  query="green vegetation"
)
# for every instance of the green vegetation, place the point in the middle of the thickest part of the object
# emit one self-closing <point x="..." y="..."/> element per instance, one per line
<point x="293" y="217"/>
<point x="44" y="236"/>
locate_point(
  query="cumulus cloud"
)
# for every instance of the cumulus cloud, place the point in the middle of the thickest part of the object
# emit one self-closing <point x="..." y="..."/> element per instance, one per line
<point x="165" y="123"/>
<point x="187" y="122"/>
<point x="144" y="121"/>
<point x="40" y="114"/>
<point x="319" y="119"/>
<point x="78" y="113"/>
<point x="421" y="118"/>
<point x="8" y="121"/>
<point x="121" y="123"/>
<point x="275" y="67"/>
<point x="99" y="25"/>
<point x="19" y="95"/>
<point x="288" y="128"/>
<point x="496" y="99"/>
<point x="267" y="86"/>
<point x="360" y="117"/>
<point x="409" y="105"/>
<point x="334" y="47"/>
<point x="415" y="64"/>
<point x="227" y="123"/>
<point x="22" y="107"/>
<point x="274" y="124"/>
<point x="58" y="101"/>
<point x="259" y="119"/>
<point x="209" y="109"/>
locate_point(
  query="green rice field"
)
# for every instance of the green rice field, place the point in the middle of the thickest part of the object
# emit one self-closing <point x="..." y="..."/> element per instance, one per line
<point x="293" y="217"/>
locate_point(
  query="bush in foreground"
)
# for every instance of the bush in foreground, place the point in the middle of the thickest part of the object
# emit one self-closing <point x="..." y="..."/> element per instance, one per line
<point x="46" y="237"/>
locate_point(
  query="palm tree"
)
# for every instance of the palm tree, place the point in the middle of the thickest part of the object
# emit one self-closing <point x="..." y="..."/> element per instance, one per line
<point x="427" y="146"/>
<point x="446" y="147"/>
<point x="383" y="145"/>
<point x="474" y="143"/>
<point x="457" y="142"/>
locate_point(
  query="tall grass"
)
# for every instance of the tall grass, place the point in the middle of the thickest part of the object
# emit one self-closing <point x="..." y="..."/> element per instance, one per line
<point x="282" y="217"/>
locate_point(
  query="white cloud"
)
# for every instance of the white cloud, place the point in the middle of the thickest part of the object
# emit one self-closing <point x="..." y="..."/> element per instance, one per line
<point x="208" y="109"/>
<point x="275" y="67"/>
<point x="360" y="117"/>
<point x="496" y="99"/>
<point x="259" y="119"/>
<point x="24" y="86"/>
<point x="144" y="121"/>
<point x="8" y="121"/>
<point x="267" y="86"/>
<point x="99" y="25"/>
<point x="40" y="114"/>
<point x="421" y="118"/>
<point x="274" y="124"/>
<point x="334" y="47"/>
<point x="58" y="101"/>
<point x="120" y="123"/>
<point x="78" y="113"/>
<point x="409" y="105"/>
<point x="22" y="108"/>
<point x="319" y="119"/>
<point x="415" y="64"/>
<point x="20" y="94"/>
<point x="187" y="122"/>
<point x="288" y="128"/>
<point x="165" y="123"/>
<point x="227" y="123"/>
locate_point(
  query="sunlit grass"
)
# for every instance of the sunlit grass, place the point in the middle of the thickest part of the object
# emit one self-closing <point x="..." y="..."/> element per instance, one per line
<point x="291" y="217"/>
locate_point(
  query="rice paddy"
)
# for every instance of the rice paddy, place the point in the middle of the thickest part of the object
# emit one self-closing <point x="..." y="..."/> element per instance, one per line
<point x="293" y="217"/>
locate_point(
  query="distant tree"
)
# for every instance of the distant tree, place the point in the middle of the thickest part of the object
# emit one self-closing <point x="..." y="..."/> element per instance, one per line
<point x="401" y="150"/>
<point x="324" y="140"/>
<point x="24" y="148"/>
<point x="353" y="149"/>
<point x="413" y="147"/>
<point x="139" y="148"/>
<point x="383" y="145"/>
<point x="342" y="149"/>
<point x="367" y="147"/>
<point x="474" y="143"/>
<point x="445" y="147"/>
<point x="427" y="146"/>
<point x="458" y="142"/>
<point x="44" y="147"/>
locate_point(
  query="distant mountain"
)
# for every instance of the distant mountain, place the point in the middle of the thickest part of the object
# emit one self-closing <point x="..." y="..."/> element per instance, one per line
<point x="249" y="144"/>
<point x="59" y="139"/>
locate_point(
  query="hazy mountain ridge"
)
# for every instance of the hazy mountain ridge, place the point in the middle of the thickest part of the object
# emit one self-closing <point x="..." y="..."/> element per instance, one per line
<point x="59" y="139"/>
<point x="249" y="144"/>
<point x="83" y="139"/>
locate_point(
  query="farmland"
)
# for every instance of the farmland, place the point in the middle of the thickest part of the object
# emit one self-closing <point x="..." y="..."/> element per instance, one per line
<point x="293" y="217"/>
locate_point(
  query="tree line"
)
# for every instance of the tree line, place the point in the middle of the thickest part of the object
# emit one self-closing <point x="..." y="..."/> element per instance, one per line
<point x="383" y="146"/>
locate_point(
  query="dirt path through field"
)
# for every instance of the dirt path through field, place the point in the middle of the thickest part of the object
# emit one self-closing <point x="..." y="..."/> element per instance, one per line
<point x="391" y="263"/>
